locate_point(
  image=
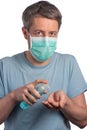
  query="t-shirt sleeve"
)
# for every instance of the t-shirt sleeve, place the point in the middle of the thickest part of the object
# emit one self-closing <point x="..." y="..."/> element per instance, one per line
<point x="77" y="83"/>
<point x="1" y="80"/>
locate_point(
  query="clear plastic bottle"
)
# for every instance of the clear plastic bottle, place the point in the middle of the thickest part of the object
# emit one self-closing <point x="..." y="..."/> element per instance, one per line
<point x="41" y="88"/>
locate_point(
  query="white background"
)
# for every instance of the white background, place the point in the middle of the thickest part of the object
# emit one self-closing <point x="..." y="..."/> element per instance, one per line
<point x="72" y="36"/>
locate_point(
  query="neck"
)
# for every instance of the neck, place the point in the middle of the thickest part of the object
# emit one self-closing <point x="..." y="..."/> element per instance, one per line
<point x="33" y="61"/>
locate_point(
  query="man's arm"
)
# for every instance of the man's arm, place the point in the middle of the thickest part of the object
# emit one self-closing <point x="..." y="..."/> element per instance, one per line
<point x="6" y="106"/>
<point x="76" y="110"/>
<point x="24" y="93"/>
<point x="73" y="109"/>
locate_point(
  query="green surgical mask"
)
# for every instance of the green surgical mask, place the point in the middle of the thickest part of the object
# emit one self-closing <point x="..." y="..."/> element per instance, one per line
<point x="42" y="48"/>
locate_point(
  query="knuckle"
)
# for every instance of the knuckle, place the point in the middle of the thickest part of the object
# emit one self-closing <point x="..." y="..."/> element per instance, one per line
<point x="25" y="91"/>
<point x="29" y="87"/>
<point x="38" y="80"/>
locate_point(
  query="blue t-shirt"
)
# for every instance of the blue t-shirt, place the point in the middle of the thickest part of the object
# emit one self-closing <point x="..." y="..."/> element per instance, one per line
<point x="62" y="73"/>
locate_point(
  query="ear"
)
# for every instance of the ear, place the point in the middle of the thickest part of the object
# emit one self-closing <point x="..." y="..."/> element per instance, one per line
<point x="25" y="33"/>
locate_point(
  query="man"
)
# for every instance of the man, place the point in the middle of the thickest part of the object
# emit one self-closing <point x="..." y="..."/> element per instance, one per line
<point x="21" y="73"/>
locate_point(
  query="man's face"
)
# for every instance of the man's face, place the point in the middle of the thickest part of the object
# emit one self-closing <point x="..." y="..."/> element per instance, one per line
<point x="42" y="27"/>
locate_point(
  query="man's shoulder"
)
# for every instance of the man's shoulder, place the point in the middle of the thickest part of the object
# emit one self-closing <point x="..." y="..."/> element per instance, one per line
<point x="10" y="60"/>
<point x="64" y="57"/>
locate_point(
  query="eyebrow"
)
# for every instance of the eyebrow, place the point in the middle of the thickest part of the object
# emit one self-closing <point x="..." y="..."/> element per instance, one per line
<point x="44" y="31"/>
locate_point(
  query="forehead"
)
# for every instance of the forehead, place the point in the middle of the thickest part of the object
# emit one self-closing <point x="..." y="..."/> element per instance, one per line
<point x="42" y="23"/>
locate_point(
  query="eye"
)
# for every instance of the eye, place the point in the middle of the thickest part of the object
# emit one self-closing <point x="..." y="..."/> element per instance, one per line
<point x="38" y="33"/>
<point x="53" y="34"/>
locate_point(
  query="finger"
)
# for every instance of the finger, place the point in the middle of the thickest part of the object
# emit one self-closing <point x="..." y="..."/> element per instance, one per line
<point x="46" y="103"/>
<point x="54" y="104"/>
<point x="52" y="101"/>
<point x="57" y="96"/>
<point x="39" y="81"/>
<point x="63" y="101"/>
<point x="33" y="91"/>
<point x="45" y="92"/>
<point x="36" y="94"/>
<point x="27" y="101"/>
<point x="61" y="97"/>
<point x="31" y="98"/>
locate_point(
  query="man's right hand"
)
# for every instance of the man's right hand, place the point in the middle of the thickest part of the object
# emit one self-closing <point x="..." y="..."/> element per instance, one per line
<point x="28" y="93"/>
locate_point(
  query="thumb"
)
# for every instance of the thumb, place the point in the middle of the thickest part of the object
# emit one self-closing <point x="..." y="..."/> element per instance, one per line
<point x="57" y="96"/>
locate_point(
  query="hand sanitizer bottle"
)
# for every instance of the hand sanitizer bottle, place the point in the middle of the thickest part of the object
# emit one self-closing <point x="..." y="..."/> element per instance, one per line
<point x="41" y="88"/>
